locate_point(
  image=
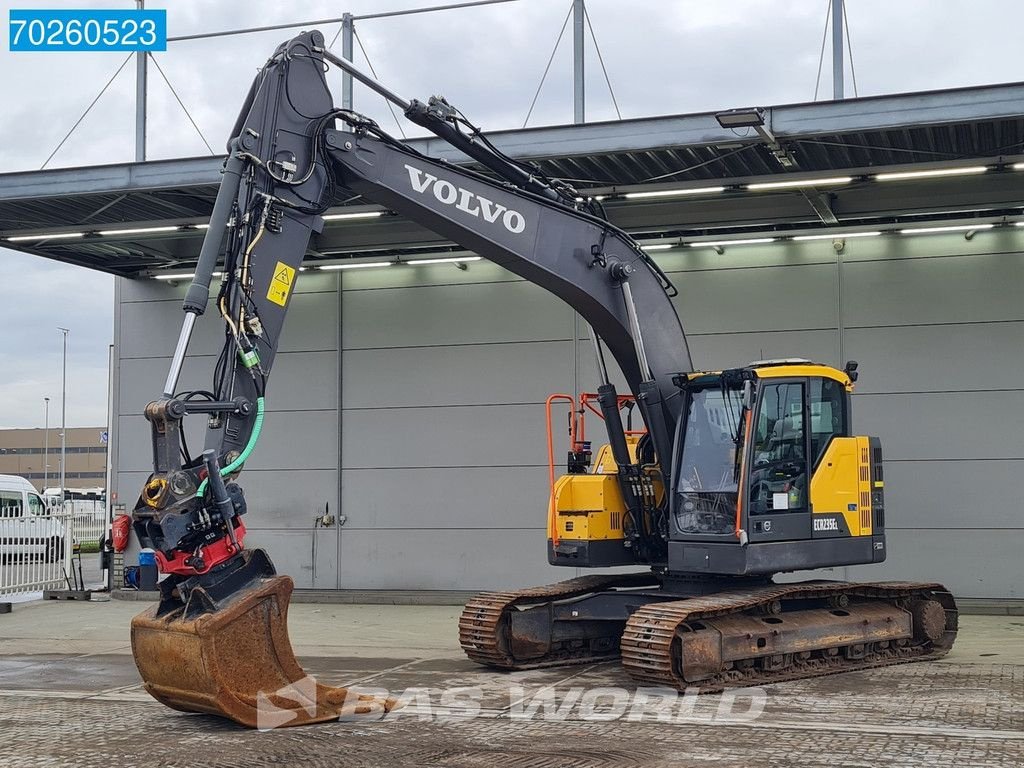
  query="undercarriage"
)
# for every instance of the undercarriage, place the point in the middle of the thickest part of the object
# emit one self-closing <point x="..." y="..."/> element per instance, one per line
<point x="710" y="634"/>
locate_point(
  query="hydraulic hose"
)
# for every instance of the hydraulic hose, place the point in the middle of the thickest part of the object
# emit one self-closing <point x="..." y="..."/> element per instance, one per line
<point x="256" y="428"/>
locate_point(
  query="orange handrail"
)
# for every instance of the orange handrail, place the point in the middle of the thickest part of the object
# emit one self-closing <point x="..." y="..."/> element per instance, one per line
<point x="573" y="427"/>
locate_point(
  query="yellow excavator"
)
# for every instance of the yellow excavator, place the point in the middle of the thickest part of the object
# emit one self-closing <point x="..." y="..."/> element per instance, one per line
<point x="735" y="476"/>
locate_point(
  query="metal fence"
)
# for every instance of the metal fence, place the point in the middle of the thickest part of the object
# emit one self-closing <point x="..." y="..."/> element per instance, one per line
<point x="89" y="519"/>
<point x="35" y="553"/>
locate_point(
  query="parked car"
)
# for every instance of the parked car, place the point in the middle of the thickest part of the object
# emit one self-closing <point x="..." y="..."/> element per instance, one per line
<point x="27" y="527"/>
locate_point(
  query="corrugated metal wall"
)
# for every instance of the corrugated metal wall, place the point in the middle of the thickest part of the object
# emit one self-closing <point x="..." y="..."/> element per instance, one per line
<point x="443" y="374"/>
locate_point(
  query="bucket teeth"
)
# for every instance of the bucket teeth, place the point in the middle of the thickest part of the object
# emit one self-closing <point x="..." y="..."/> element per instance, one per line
<point x="237" y="662"/>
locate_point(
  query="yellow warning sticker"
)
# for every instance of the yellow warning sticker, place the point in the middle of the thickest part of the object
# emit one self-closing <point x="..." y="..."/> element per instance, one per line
<point x="281" y="284"/>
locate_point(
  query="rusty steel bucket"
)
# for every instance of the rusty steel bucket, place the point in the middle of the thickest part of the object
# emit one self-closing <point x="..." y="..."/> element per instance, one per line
<point x="237" y="662"/>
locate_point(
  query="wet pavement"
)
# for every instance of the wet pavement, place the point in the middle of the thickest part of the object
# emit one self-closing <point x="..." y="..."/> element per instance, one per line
<point x="70" y="696"/>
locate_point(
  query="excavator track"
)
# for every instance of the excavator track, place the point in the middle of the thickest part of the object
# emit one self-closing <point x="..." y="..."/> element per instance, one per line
<point x="484" y="630"/>
<point x="756" y="636"/>
<point x="747" y="638"/>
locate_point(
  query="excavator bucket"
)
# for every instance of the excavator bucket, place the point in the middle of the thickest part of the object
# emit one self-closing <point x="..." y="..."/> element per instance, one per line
<point x="237" y="662"/>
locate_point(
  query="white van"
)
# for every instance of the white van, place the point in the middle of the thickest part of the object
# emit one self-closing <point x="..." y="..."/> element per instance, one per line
<point x="27" y="527"/>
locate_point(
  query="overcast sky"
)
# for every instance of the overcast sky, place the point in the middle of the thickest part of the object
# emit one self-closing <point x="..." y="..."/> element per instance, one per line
<point x="663" y="57"/>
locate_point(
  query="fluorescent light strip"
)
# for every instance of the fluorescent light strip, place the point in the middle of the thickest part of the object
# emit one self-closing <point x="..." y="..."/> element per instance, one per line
<point x="957" y="228"/>
<point x="201" y="226"/>
<point x="182" y="275"/>
<point x="1019" y="224"/>
<point x="56" y="236"/>
<point x="837" y="236"/>
<point x="136" y="231"/>
<point x="359" y="215"/>
<point x="446" y="260"/>
<point x="358" y="265"/>
<point x="800" y="183"/>
<point x="900" y="175"/>
<point x="719" y="243"/>
<point x="1018" y="166"/>
<point x="658" y="246"/>
<point x="672" y="192"/>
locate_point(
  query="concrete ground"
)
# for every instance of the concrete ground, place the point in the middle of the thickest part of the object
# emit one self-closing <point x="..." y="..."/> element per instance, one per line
<point x="70" y="696"/>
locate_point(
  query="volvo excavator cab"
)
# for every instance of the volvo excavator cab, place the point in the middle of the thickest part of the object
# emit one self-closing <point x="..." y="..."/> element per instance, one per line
<point x="768" y="478"/>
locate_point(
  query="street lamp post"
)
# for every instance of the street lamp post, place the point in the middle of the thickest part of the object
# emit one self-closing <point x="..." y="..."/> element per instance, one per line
<point x="46" y="442"/>
<point x="63" y="415"/>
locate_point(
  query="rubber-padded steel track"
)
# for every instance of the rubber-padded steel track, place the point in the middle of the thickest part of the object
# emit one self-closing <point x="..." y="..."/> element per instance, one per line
<point x="650" y="645"/>
<point x="483" y="626"/>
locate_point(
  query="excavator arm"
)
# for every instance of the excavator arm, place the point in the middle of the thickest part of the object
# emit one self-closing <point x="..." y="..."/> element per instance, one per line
<point x="286" y="164"/>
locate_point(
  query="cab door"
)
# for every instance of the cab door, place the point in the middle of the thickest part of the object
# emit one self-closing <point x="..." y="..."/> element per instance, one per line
<point x="778" y="505"/>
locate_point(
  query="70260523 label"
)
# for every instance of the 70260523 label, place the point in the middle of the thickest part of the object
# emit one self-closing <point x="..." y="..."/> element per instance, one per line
<point x="87" y="30"/>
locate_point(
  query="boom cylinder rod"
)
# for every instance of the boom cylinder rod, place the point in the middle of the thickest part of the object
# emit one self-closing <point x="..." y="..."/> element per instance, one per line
<point x="370" y="82"/>
<point x="198" y="294"/>
<point x="634" y="325"/>
<point x="179" y="354"/>
<point x="602" y="369"/>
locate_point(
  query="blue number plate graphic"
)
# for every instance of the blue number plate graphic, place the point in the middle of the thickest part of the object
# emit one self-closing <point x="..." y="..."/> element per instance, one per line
<point x="88" y="30"/>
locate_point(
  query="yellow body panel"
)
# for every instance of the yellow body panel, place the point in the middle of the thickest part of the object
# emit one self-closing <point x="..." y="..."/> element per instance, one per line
<point x="798" y="370"/>
<point x="590" y="507"/>
<point x="840" y="484"/>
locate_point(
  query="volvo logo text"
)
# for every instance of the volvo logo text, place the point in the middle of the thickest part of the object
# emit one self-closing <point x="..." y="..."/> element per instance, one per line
<point x="466" y="201"/>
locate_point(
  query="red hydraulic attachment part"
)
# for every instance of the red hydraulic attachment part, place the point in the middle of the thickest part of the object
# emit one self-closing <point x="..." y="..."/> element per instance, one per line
<point x="577" y="437"/>
<point x="119" y="532"/>
<point x="213" y="554"/>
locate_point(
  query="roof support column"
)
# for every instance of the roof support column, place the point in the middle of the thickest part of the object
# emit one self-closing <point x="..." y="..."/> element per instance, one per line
<point x="141" y="59"/>
<point x="837" y="49"/>
<point x="578" y="87"/>
<point x="346" y="53"/>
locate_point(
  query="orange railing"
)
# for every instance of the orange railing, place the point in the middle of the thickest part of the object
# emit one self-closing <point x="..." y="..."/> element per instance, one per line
<point x="577" y="437"/>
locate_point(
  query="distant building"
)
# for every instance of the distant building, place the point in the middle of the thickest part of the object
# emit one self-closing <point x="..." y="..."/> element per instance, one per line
<point x="24" y="452"/>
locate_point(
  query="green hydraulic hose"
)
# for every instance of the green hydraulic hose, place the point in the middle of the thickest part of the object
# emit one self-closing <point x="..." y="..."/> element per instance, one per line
<point x="256" y="427"/>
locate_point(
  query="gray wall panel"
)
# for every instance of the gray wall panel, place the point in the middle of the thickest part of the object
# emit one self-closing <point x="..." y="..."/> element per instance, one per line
<point x="300" y="381"/>
<point x="957" y="289"/>
<point x="150" y="329"/>
<point x="423" y="559"/>
<point x="458" y="375"/>
<point x="297" y="440"/>
<point x="465" y="436"/>
<point x="290" y="551"/>
<point x="452" y="314"/>
<point x="769" y="298"/>
<point x="960" y="494"/>
<point x="983" y="563"/>
<point x="449" y="498"/>
<point x="143" y="290"/>
<point x="288" y="498"/>
<point x="937" y="357"/>
<point x="977" y="425"/>
<point x="290" y="440"/>
<point x="716" y="351"/>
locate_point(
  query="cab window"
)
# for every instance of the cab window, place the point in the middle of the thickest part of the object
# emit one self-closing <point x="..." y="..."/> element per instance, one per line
<point x="10" y="504"/>
<point x="778" y="476"/>
<point x="827" y="409"/>
<point x="35" y="505"/>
